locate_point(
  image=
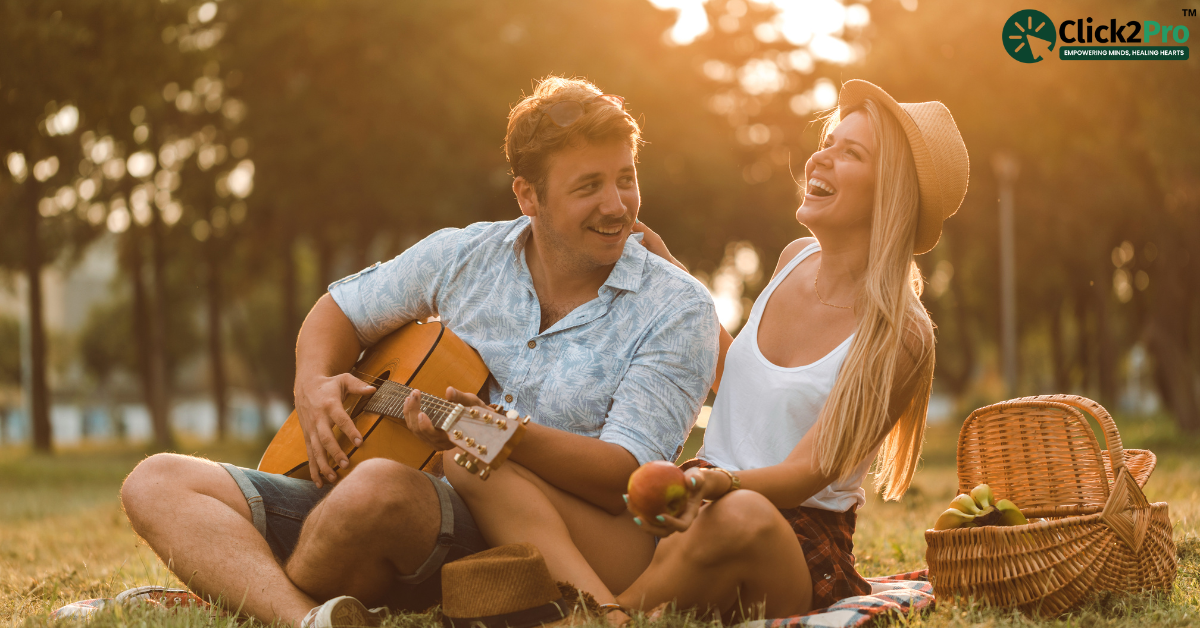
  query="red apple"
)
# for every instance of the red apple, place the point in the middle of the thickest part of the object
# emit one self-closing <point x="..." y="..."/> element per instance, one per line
<point x="657" y="488"/>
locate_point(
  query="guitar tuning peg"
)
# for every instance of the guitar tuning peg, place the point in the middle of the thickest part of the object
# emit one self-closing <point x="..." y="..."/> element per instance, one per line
<point x="512" y="414"/>
<point x="459" y="460"/>
<point x="485" y="473"/>
<point x="473" y="412"/>
<point x="527" y="419"/>
<point x="502" y="424"/>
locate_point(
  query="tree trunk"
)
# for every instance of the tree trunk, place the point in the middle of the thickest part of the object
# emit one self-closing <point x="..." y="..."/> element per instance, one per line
<point x="291" y="322"/>
<point x="141" y="320"/>
<point x="160" y="366"/>
<point x="39" y="396"/>
<point x="216" y="353"/>
<point x="1062" y="380"/>
<point x="1083" y="356"/>
<point x="1106" y="361"/>
<point x="958" y="380"/>
<point x="1167" y="338"/>
<point x="325" y="253"/>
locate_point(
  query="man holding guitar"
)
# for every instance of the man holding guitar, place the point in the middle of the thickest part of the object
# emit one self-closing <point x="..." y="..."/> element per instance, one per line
<point x="609" y="348"/>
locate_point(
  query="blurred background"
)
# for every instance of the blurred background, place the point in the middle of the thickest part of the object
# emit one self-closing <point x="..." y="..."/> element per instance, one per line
<point x="181" y="179"/>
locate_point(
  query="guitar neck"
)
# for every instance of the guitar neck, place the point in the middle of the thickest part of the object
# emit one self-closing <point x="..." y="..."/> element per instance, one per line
<point x="389" y="400"/>
<point x="485" y="436"/>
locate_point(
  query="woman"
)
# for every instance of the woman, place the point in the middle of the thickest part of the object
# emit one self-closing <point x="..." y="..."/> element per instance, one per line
<point x="839" y="342"/>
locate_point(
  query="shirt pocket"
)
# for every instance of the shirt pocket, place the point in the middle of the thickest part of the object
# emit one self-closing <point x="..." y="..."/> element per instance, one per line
<point x="578" y="392"/>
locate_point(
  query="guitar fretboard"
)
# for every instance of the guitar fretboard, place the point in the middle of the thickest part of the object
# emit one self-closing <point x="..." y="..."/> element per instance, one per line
<point x="389" y="399"/>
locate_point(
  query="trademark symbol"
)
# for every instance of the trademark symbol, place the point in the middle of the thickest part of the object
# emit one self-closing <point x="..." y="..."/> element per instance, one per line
<point x="1189" y="13"/>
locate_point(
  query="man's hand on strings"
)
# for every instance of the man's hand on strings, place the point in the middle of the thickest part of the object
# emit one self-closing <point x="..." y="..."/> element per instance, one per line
<point x="420" y="424"/>
<point x="319" y="408"/>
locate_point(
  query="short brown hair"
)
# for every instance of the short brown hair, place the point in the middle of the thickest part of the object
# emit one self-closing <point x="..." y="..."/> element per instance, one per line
<point x="531" y="139"/>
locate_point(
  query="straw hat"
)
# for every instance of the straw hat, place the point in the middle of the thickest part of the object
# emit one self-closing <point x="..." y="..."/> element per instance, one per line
<point x="508" y="586"/>
<point x="938" y="149"/>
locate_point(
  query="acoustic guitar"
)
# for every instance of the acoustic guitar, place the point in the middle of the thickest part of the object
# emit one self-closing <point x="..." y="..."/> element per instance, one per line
<point x="427" y="357"/>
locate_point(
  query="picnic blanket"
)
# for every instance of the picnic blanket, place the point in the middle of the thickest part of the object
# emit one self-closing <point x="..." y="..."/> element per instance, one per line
<point x="902" y="593"/>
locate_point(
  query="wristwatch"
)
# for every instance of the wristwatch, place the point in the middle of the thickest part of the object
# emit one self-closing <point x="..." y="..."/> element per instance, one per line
<point x="734" y="481"/>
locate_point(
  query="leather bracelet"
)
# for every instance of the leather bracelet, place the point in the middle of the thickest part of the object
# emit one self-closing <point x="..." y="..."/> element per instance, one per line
<point x="734" y="481"/>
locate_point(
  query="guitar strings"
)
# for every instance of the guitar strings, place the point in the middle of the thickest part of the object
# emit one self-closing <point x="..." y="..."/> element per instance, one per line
<point x="428" y="401"/>
<point x="392" y="402"/>
<point x="388" y="402"/>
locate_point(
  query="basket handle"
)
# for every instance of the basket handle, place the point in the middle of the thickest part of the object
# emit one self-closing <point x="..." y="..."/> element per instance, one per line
<point x="1112" y="438"/>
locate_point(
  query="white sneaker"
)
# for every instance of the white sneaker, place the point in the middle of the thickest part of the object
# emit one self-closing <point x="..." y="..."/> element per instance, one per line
<point x="343" y="611"/>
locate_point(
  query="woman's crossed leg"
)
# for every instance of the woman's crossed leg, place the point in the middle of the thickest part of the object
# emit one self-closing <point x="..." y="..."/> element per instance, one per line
<point x="739" y="555"/>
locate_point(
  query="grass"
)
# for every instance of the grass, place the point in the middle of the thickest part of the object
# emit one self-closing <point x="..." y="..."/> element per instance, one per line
<point x="63" y="538"/>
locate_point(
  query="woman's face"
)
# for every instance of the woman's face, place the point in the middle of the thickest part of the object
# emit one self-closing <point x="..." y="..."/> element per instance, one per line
<point x="841" y="178"/>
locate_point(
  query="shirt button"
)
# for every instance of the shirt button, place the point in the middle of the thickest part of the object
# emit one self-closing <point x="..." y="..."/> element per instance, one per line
<point x="508" y="398"/>
<point x="532" y="343"/>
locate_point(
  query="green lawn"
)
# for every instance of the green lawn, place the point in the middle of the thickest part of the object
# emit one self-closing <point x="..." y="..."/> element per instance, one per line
<point x="63" y="536"/>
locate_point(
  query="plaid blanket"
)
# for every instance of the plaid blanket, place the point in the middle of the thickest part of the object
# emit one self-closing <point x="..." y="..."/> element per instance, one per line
<point x="901" y="593"/>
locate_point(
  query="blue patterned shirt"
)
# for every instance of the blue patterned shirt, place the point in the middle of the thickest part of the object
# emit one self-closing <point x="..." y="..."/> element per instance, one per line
<point x="631" y="366"/>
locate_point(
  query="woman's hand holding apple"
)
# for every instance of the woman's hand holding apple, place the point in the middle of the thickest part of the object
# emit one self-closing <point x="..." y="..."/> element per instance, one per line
<point x="655" y="499"/>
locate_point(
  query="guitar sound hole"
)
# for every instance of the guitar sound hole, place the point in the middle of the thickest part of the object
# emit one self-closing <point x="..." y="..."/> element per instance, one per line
<point x="362" y="403"/>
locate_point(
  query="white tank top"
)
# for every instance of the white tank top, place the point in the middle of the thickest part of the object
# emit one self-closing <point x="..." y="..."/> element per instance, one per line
<point x="763" y="410"/>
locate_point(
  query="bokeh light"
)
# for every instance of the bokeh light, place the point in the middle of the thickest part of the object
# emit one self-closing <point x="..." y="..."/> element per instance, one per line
<point x="141" y="164"/>
<point x="63" y="122"/>
<point x="45" y="168"/>
<point x="241" y="179"/>
<point x="16" y="166"/>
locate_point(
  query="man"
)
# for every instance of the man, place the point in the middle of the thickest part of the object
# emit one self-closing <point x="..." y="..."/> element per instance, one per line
<point x="610" y="349"/>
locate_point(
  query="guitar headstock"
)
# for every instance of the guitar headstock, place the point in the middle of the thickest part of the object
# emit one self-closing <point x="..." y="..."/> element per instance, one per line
<point x="486" y="437"/>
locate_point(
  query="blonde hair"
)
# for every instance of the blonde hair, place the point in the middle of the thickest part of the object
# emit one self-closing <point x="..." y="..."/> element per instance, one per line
<point x="891" y="319"/>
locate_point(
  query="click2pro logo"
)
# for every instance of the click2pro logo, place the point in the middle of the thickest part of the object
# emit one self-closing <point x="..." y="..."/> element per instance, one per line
<point x="1029" y="36"/>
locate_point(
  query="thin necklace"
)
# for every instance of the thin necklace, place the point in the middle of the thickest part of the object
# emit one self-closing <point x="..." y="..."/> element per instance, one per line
<point x="818" y="291"/>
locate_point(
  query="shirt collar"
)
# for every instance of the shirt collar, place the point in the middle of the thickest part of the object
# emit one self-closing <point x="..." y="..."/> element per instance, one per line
<point x="519" y="233"/>
<point x="625" y="275"/>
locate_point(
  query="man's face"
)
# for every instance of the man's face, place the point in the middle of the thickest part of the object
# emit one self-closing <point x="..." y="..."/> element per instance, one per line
<point x="591" y="203"/>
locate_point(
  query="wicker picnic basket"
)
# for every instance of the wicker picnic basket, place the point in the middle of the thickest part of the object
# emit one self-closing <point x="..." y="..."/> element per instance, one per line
<point x="1097" y="532"/>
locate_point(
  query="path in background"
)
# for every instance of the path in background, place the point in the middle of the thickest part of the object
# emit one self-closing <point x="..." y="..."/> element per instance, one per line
<point x="191" y="418"/>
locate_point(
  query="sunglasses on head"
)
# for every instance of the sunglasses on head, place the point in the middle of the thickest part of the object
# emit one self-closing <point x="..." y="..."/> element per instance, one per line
<point x="566" y="112"/>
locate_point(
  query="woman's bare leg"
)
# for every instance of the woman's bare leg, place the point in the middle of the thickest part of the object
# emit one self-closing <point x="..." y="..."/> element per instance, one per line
<point x="582" y="544"/>
<point x="739" y="554"/>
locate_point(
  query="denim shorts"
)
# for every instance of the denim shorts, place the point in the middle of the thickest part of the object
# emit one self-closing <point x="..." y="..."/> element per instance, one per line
<point x="279" y="505"/>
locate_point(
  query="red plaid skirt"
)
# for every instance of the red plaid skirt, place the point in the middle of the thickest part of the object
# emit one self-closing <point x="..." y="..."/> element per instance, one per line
<point x="827" y="539"/>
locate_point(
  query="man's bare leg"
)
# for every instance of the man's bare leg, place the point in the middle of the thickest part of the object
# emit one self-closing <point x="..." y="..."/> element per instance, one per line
<point x="379" y="522"/>
<point x="193" y="515"/>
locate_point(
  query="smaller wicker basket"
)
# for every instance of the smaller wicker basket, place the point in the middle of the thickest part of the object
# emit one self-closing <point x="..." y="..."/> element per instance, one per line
<point x="1097" y="532"/>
